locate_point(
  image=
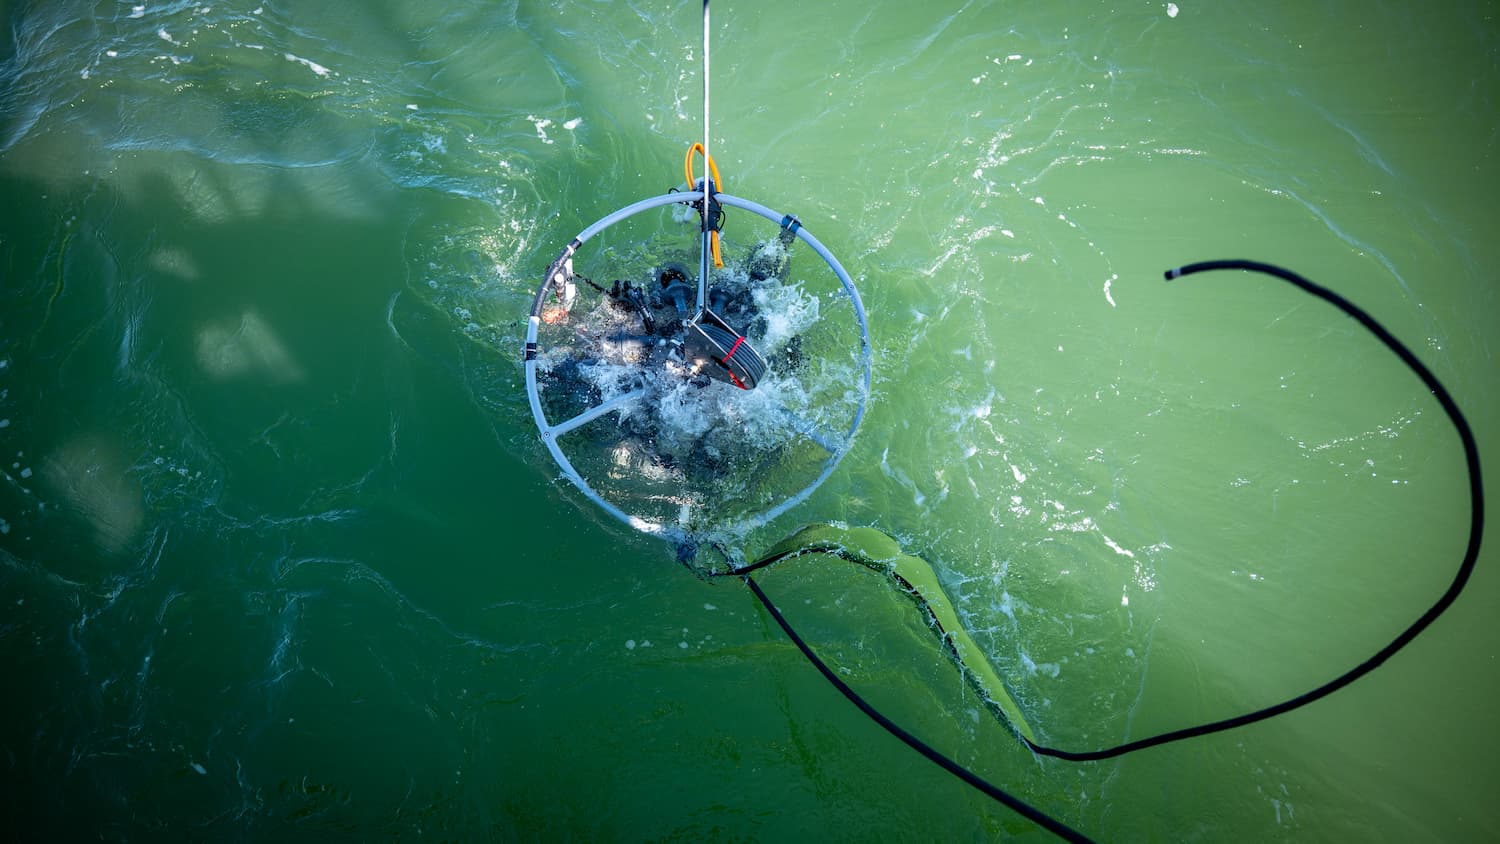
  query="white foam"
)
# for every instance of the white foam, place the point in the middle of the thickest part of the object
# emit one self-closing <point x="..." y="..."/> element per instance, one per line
<point x="309" y="64"/>
<point x="541" y="124"/>
<point x="718" y="416"/>
<point x="1115" y="547"/>
<point x="787" y="309"/>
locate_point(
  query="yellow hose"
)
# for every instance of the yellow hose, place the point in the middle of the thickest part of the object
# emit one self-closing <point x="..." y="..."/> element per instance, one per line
<point x="687" y="169"/>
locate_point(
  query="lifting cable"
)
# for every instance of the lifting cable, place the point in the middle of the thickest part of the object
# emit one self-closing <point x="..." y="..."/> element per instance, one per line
<point x="711" y="213"/>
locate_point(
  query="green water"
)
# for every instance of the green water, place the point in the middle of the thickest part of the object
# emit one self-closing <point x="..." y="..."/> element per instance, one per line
<point x="281" y="557"/>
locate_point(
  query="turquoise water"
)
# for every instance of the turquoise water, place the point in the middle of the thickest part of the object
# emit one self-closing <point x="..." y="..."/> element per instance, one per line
<point x="281" y="556"/>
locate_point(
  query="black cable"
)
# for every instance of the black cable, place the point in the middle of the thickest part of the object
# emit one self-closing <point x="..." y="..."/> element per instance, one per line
<point x="994" y="792"/>
<point x="1471" y="555"/>
<point x="1460" y="580"/>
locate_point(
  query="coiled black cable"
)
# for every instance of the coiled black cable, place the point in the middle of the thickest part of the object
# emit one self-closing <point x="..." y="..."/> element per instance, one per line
<point x="1461" y="578"/>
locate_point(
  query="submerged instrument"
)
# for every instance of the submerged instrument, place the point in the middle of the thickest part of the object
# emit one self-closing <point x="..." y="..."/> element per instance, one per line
<point x="699" y="409"/>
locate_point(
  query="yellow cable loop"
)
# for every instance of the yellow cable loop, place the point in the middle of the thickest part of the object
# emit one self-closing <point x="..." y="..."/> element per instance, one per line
<point x="687" y="168"/>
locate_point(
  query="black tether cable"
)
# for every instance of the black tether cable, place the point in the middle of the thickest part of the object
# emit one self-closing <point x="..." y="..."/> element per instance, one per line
<point x="1465" y="569"/>
<point x="1021" y="807"/>
<point x="1476" y="526"/>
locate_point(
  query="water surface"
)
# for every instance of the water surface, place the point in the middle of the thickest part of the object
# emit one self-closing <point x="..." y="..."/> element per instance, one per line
<point x="282" y="558"/>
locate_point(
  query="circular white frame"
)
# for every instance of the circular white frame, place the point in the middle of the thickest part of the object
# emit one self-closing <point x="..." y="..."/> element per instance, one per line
<point x="551" y="433"/>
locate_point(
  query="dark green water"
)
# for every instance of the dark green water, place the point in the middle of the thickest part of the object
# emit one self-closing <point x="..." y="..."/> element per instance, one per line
<point x="281" y="557"/>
